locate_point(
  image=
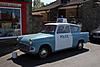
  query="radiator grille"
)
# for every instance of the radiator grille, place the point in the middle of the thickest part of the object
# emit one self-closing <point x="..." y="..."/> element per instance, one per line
<point x="23" y="46"/>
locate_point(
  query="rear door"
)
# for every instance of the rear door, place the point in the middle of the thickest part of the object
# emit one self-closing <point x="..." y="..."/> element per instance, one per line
<point x="63" y="37"/>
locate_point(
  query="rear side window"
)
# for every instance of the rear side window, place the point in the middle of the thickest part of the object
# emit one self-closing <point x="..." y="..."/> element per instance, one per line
<point x="74" y="29"/>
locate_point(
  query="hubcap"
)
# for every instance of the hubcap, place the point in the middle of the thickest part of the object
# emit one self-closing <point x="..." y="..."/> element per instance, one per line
<point x="80" y="45"/>
<point x="43" y="53"/>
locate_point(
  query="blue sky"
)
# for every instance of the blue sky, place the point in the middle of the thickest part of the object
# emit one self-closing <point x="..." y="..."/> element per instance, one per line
<point x="47" y="1"/>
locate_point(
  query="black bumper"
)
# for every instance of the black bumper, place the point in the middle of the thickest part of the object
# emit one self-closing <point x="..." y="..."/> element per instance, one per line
<point x="92" y="39"/>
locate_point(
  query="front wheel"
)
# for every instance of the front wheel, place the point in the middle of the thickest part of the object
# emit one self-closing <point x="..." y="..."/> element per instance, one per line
<point x="80" y="45"/>
<point x="44" y="52"/>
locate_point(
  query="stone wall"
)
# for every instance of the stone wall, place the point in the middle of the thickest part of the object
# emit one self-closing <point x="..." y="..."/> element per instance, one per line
<point x="53" y="14"/>
<point x="36" y="23"/>
<point x="90" y="16"/>
<point x="98" y="14"/>
<point x="70" y="12"/>
<point x="45" y="16"/>
<point x="29" y="16"/>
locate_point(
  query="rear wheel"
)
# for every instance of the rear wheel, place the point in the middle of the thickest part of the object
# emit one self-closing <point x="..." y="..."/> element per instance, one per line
<point x="80" y="45"/>
<point x="44" y="52"/>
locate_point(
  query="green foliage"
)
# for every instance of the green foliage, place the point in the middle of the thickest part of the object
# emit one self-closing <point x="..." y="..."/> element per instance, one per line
<point x="42" y="4"/>
<point x="37" y="4"/>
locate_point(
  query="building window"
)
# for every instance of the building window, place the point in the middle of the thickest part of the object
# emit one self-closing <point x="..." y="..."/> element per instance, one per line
<point x="10" y="22"/>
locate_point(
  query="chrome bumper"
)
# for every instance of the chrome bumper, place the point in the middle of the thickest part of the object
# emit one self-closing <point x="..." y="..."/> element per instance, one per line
<point x="24" y="48"/>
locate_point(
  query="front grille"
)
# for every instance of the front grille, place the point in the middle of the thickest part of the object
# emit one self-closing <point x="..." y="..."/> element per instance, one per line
<point x="23" y="46"/>
<point x="96" y="34"/>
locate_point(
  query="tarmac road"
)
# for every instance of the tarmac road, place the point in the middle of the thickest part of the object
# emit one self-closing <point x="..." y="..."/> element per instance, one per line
<point x="88" y="57"/>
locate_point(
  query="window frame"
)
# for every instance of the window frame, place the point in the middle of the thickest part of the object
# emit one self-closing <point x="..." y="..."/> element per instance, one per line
<point x="19" y="20"/>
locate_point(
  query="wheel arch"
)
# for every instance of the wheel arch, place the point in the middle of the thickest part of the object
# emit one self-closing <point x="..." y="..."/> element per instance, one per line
<point x="48" y="45"/>
<point x="81" y="40"/>
<point x="80" y="46"/>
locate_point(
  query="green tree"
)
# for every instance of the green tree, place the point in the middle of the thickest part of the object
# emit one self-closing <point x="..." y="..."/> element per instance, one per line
<point x="37" y="4"/>
<point x="42" y="4"/>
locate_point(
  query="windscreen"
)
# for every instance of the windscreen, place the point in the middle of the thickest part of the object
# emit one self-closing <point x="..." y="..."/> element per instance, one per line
<point x="48" y="29"/>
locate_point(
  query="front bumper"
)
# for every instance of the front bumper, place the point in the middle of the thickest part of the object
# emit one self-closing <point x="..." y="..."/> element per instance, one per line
<point x="94" y="39"/>
<point x="25" y="48"/>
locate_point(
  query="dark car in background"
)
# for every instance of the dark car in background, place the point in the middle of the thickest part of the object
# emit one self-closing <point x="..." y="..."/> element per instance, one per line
<point x="95" y="35"/>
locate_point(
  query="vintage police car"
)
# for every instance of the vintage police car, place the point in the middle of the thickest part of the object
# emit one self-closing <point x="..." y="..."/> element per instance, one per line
<point x="53" y="37"/>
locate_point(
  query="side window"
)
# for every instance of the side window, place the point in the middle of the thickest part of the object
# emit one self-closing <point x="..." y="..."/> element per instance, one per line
<point x="60" y="29"/>
<point x="67" y="29"/>
<point x="74" y="29"/>
<point x="63" y="29"/>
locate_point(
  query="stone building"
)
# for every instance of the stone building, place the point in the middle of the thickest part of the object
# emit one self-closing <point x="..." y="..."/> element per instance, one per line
<point x="86" y="12"/>
<point x="91" y="15"/>
<point x="51" y="10"/>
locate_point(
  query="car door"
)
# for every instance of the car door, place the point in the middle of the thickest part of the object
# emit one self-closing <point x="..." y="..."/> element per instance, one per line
<point x="63" y="37"/>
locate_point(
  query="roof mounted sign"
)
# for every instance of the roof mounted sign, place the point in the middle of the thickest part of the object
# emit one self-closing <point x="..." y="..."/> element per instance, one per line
<point x="61" y="20"/>
<point x="10" y="4"/>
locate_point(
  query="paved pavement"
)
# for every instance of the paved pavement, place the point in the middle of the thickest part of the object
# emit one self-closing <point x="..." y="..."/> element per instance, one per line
<point x="88" y="57"/>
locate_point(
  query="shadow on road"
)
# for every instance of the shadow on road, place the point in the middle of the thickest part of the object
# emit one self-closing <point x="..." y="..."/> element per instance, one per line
<point x="26" y="60"/>
<point x="7" y="49"/>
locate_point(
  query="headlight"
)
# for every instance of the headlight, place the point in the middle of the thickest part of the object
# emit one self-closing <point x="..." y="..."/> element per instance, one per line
<point x="30" y="42"/>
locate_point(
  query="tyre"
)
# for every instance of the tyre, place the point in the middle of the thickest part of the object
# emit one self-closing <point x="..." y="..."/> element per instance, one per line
<point x="80" y="45"/>
<point x="44" y="52"/>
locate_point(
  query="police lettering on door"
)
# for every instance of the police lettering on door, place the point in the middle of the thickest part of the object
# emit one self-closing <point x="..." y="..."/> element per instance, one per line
<point x="64" y="36"/>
